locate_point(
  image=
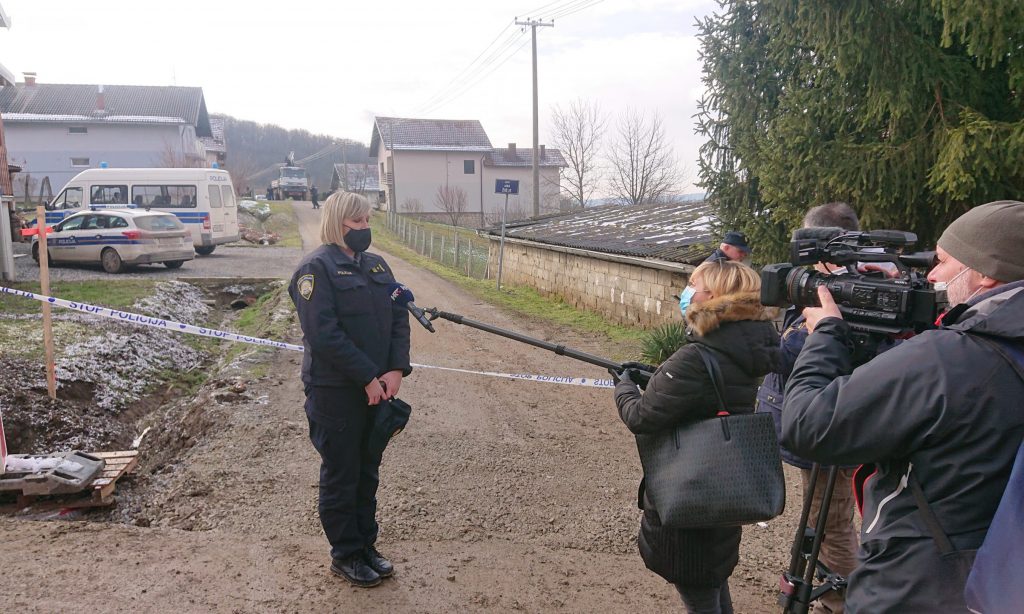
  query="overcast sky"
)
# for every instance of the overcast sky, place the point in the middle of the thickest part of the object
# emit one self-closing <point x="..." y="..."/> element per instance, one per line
<point x="329" y="67"/>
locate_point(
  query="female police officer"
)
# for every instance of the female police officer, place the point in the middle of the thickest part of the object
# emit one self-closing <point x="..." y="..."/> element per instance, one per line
<point x="356" y="352"/>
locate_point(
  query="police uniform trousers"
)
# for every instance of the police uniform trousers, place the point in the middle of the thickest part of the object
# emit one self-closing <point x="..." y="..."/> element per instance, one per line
<point x="340" y="423"/>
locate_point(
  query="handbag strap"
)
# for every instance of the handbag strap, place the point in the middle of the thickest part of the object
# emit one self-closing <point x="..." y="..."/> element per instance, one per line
<point x="711" y="364"/>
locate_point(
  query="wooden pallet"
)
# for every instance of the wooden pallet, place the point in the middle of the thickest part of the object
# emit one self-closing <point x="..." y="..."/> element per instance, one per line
<point x="99" y="492"/>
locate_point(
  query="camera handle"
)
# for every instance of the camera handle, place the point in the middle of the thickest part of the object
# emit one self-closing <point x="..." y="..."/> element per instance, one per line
<point x="797" y="591"/>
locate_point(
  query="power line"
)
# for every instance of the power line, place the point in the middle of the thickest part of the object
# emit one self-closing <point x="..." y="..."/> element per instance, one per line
<point x="585" y="6"/>
<point x="568" y="6"/>
<point x="468" y="66"/>
<point x="472" y="75"/>
<point x="494" y="62"/>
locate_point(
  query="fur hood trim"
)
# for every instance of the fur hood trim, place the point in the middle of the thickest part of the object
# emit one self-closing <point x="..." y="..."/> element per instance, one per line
<point x="705" y="317"/>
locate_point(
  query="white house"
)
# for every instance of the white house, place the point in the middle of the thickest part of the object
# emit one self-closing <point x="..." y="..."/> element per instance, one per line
<point x="58" y="130"/>
<point x="517" y="163"/>
<point x="418" y="157"/>
<point x="358" y="177"/>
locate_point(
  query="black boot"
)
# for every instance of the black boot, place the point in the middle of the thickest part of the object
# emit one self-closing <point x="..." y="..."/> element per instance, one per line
<point x="381" y="565"/>
<point x="355" y="569"/>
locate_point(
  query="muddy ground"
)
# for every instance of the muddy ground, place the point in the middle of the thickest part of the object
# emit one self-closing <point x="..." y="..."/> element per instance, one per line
<point x="501" y="495"/>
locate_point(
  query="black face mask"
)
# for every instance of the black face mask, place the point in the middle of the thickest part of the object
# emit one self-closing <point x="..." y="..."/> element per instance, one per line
<point x="358" y="239"/>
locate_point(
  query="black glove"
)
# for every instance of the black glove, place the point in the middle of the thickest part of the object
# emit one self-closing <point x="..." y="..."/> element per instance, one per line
<point x="642" y="366"/>
<point x="638" y="377"/>
<point x="616" y="376"/>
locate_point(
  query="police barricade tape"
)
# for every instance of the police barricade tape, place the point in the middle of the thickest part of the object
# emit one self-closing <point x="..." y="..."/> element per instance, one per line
<point x="170" y="325"/>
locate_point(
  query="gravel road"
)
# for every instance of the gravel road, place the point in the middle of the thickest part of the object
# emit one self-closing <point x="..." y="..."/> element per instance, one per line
<point x="226" y="261"/>
<point x="501" y="495"/>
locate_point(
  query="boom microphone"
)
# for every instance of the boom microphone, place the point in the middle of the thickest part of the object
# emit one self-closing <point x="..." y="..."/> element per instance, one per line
<point x="402" y="295"/>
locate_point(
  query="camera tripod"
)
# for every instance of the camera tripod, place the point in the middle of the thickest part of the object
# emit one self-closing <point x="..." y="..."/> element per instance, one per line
<point x="797" y="584"/>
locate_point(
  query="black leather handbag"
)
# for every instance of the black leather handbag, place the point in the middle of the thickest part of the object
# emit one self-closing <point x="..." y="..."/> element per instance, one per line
<point x="716" y="472"/>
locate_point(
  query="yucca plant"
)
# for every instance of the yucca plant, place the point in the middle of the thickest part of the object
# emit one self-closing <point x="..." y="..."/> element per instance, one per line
<point x="660" y="343"/>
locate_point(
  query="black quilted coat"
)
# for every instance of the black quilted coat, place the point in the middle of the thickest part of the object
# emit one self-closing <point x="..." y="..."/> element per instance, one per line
<point x="739" y="331"/>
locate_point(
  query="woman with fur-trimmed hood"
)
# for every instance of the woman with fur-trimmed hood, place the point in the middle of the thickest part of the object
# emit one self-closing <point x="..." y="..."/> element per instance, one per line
<point x="725" y="315"/>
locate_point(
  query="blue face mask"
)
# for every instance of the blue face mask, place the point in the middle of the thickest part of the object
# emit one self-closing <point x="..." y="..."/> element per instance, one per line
<point x="685" y="297"/>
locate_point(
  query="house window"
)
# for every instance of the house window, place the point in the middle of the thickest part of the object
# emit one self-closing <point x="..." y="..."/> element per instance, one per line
<point x="79" y="161"/>
<point x="469" y="166"/>
<point x="78" y="130"/>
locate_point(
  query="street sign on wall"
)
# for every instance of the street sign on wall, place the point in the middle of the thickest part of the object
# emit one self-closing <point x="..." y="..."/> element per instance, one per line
<point x="506" y="186"/>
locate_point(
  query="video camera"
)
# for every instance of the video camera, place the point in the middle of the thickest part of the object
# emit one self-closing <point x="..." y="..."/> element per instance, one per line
<point x="871" y="302"/>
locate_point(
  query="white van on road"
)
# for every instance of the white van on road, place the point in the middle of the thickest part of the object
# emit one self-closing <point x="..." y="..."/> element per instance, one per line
<point x="202" y="198"/>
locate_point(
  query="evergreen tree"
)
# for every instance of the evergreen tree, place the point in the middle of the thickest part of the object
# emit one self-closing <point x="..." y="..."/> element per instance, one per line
<point x="910" y="110"/>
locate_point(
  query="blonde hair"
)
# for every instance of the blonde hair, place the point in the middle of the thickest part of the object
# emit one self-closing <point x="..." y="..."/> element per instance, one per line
<point x="723" y="277"/>
<point x="339" y="207"/>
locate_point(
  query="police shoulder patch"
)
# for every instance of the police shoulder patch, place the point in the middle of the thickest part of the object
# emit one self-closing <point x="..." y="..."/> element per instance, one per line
<point x="305" y="286"/>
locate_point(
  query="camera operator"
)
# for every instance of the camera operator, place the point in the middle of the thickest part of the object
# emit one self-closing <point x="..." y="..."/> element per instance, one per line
<point x="939" y="416"/>
<point x="839" y="550"/>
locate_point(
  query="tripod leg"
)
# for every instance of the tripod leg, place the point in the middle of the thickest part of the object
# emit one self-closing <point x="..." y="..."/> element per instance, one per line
<point x="795" y="594"/>
<point x="819" y="527"/>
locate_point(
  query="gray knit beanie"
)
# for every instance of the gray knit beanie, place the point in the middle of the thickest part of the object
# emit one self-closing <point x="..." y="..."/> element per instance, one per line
<point x="989" y="239"/>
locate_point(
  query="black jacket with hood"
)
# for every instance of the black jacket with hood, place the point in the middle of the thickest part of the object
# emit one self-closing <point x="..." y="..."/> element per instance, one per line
<point x="944" y="408"/>
<point x="739" y="331"/>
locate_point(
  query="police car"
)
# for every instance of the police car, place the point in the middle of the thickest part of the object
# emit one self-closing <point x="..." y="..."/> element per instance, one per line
<point x="118" y="238"/>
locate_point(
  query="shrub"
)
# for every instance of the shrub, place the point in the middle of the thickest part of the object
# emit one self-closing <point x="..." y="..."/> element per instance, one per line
<point x="660" y="343"/>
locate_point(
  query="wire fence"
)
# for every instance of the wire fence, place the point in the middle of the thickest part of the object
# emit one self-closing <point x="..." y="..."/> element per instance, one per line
<point x="461" y="249"/>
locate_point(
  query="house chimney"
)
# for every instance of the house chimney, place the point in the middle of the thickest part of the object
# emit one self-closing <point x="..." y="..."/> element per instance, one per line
<point x="541" y="152"/>
<point x="101" y="106"/>
<point x="30" y="78"/>
<point x="510" y="154"/>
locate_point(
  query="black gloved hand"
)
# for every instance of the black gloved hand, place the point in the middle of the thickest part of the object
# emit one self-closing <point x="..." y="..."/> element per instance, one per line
<point x="642" y="366"/>
<point x="616" y="376"/>
<point x="638" y="377"/>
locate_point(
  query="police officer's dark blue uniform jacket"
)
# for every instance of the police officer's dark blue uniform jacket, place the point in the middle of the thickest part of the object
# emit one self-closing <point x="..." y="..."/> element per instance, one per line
<point x="354" y="332"/>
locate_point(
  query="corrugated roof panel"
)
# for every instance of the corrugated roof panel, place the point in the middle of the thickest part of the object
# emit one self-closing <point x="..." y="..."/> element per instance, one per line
<point x="675" y="232"/>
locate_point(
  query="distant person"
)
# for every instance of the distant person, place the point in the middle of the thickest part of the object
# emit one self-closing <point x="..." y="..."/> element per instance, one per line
<point x="313" y="195"/>
<point x="733" y="247"/>
<point x="270" y="193"/>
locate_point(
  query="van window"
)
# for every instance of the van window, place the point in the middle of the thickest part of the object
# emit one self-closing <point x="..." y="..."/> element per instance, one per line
<point x="164" y="196"/>
<point x="159" y="222"/>
<point x="215" y="202"/>
<point x="229" y="195"/>
<point x="70" y="198"/>
<point x="109" y="195"/>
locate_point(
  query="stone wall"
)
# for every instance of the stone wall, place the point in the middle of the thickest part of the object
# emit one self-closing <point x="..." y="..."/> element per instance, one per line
<point x="628" y="290"/>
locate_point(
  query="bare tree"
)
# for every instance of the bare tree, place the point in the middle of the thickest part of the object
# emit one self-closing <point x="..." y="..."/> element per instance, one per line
<point x="452" y="200"/>
<point x="172" y="157"/>
<point x="577" y="132"/>
<point x="242" y="167"/>
<point x="412" y="205"/>
<point x="644" y="169"/>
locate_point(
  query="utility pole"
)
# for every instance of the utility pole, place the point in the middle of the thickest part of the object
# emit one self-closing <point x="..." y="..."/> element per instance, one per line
<point x="533" y="23"/>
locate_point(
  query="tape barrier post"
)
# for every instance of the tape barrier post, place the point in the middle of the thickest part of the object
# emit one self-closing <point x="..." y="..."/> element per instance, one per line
<point x="44" y="285"/>
<point x="3" y="444"/>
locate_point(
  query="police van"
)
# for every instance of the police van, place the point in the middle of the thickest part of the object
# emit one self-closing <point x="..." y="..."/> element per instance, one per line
<point x="202" y="198"/>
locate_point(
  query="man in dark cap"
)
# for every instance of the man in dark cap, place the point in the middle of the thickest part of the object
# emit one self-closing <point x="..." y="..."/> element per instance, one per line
<point x="734" y="246"/>
<point x="937" y="418"/>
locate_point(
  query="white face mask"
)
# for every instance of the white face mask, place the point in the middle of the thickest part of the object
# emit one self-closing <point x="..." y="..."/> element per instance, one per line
<point x="954" y="293"/>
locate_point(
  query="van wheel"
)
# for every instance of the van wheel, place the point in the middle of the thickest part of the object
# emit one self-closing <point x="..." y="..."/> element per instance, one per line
<point x="174" y="264"/>
<point x="205" y="250"/>
<point x="111" y="261"/>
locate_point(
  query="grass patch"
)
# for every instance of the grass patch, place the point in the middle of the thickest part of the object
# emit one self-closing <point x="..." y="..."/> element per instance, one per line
<point x="522" y="300"/>
<point x="118" y="295"/>
<point x="270" y="317"/>
<point x="283" y="221"/>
